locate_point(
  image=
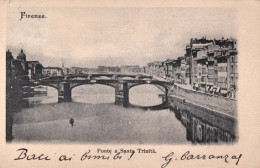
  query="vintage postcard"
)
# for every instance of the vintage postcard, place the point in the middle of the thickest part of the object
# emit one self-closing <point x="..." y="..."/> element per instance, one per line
<point x="130" y="84"/>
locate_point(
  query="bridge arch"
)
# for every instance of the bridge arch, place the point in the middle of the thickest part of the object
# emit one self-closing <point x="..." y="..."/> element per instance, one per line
<point x="138" y="84"/>
<point x="147" y="96"/>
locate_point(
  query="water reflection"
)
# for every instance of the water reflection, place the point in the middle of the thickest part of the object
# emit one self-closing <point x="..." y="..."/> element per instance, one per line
<point x="199" y="125"/>
<point x="164" y="105"/>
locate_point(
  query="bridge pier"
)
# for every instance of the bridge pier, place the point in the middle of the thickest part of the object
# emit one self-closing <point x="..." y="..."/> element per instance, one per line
<point x="166" y="94"/>
<point x="122" y="94"/>
<point x="64" y="92"/>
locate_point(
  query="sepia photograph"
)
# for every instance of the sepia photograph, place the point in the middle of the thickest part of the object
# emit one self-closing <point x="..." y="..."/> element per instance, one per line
<point x="121" y="75"/>
<point x="118" y="83"/>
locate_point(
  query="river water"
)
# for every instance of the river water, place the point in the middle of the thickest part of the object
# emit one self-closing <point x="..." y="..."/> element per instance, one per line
<point x="97" y="119"/>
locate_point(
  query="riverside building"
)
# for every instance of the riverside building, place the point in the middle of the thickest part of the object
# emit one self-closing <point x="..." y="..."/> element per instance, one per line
<point x="208" y="66"/>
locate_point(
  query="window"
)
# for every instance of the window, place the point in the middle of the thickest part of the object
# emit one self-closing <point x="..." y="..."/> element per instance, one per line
<point x="204" y="71"/>
<point x="222" y="69"/>
<point x="211" y="72"/>
<point x="203" y="79"/>
<point x="232" y="68"/>
<point x="222" y="79"/>
<point x="210" y="80"/>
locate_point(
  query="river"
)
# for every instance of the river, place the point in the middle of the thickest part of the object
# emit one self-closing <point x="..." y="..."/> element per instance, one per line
<point x="97" y="119"/>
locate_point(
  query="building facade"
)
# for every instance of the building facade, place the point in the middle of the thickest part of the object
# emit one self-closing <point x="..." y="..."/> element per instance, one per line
<point x="16" y="78"/>
<point x="52" y="71"/>
<point x="207" y="65"/>
<point x="34" y="69"/>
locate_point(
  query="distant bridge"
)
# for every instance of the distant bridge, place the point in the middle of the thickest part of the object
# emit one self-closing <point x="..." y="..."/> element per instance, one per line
<point x="121" y="82"/>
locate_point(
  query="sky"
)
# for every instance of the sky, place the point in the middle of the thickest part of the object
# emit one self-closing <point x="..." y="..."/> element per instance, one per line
<point x="88" y="37"/>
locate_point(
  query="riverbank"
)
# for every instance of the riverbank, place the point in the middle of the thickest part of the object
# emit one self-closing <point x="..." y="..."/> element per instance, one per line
<point x="218" y="104"/>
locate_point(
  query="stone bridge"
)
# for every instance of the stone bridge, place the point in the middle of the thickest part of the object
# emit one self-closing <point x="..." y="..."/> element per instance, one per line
<point x="120" y="82"/>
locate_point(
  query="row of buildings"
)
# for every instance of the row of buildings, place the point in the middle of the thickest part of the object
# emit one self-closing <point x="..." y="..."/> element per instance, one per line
<point x="35" y="70"/>
<point x="121" y="69"/>
<point x="102" y="69"/>
<point x="29" y="69"/>
<point x="16" y="77"/>
<point x="207" y="65"/>
<point x="16" y="69"/>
